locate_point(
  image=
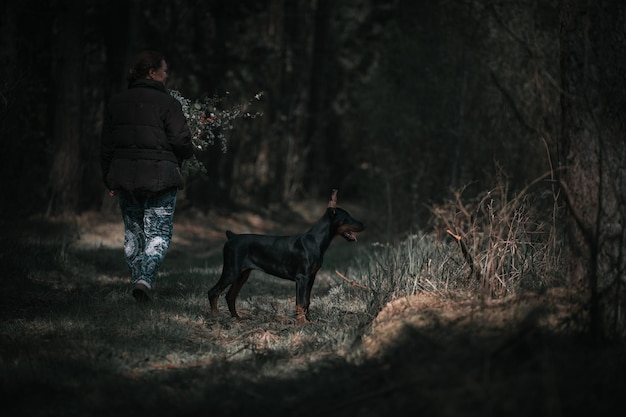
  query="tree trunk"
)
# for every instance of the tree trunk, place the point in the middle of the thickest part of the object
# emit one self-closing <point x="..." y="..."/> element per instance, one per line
<point x="593" y="155"/>
<point x="271" y="167"/>
<point x="65" y="176"/>
<point x="299" y="29"/>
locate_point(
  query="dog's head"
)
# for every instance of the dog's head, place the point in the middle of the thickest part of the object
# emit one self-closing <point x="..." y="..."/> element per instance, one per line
<point x="343" y="224"/>
<point x="341" y="221"/>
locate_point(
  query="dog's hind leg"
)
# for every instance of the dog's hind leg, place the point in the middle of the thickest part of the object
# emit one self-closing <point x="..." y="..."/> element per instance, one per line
<point x="214" y="294"/>
<point x="225" y="280"/>
<point x="233" y="292"/>
<point x="228" y="276"/>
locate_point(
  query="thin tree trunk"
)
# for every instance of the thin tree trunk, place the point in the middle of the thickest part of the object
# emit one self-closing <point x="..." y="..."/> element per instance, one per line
<point x="65" y="176"/>
<point x="298" y="60"/>
<point x="594" y="155"/>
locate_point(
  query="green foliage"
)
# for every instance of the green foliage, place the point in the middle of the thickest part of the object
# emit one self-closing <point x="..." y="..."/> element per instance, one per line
<point x="416" y="264"/>
<point x="209" y="123"/>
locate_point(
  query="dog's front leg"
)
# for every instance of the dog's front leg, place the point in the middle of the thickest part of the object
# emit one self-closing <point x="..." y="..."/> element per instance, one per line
<point x="302" y="304"/>
<point x="309" y="287"/>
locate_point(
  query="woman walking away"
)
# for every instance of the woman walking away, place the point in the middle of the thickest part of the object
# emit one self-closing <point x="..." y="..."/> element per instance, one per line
<point x="145" y="138"/>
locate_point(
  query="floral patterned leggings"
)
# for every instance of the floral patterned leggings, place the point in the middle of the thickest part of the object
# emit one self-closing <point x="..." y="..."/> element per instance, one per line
<point x="148" y="224"/>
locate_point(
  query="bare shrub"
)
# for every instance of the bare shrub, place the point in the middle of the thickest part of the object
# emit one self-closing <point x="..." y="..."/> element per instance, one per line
<point x="509" y="242"/>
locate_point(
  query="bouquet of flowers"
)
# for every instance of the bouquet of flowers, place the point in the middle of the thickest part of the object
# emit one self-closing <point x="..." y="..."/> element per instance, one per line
<point x="208" y="123"/>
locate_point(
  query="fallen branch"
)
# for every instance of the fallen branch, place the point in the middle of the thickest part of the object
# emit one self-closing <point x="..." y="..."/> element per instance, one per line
<point x="353" y="283"/>
<point x="468" y="257"/>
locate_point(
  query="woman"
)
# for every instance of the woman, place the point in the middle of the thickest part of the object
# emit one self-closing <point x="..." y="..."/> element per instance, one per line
<point x="145" y="138"/>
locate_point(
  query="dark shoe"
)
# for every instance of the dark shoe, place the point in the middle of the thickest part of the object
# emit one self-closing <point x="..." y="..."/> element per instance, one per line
<point x="141" y="292"/>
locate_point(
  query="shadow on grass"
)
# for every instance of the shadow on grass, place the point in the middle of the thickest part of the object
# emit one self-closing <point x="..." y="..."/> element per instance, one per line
<point x="553" y="375"/>
<point x="74" y="343"/>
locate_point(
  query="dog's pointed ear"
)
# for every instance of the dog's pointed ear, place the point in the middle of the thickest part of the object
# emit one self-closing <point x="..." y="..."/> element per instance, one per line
<point x="333" y="199"/>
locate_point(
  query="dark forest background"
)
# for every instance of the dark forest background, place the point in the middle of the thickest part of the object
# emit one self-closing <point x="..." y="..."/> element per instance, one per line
<point x="394" y="102"/>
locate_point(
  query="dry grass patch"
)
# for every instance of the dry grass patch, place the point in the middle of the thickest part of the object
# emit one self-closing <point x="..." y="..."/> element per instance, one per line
<point x="400" y="331"/>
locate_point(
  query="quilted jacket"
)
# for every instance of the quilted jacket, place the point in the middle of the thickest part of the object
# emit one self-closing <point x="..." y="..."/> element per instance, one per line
<point x="144" y="140"/>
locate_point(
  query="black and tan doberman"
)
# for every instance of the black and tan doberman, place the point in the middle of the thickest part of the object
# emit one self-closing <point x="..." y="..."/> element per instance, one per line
<point x="296" y="258"/>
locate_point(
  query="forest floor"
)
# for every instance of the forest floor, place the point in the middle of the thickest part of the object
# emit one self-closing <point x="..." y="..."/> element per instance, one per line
<point x="434" y="353"/>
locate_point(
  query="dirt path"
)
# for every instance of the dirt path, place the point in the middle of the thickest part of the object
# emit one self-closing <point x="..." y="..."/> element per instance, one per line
<point x="453" y="353"/>
<point x="197" y="236"/>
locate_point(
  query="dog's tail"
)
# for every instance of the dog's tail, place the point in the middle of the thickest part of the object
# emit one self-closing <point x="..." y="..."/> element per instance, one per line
<point x="230" y="234"/>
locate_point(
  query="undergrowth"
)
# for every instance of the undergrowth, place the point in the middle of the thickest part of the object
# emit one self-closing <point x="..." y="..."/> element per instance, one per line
<point x="70" y="326"/>
<point x="494" y="245"/>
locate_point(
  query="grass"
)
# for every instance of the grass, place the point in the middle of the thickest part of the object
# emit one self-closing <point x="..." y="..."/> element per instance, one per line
<point x="397" y="328"/>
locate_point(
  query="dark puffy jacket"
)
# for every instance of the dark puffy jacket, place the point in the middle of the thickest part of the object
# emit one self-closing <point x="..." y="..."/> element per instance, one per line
<point x="145" y="138"/>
